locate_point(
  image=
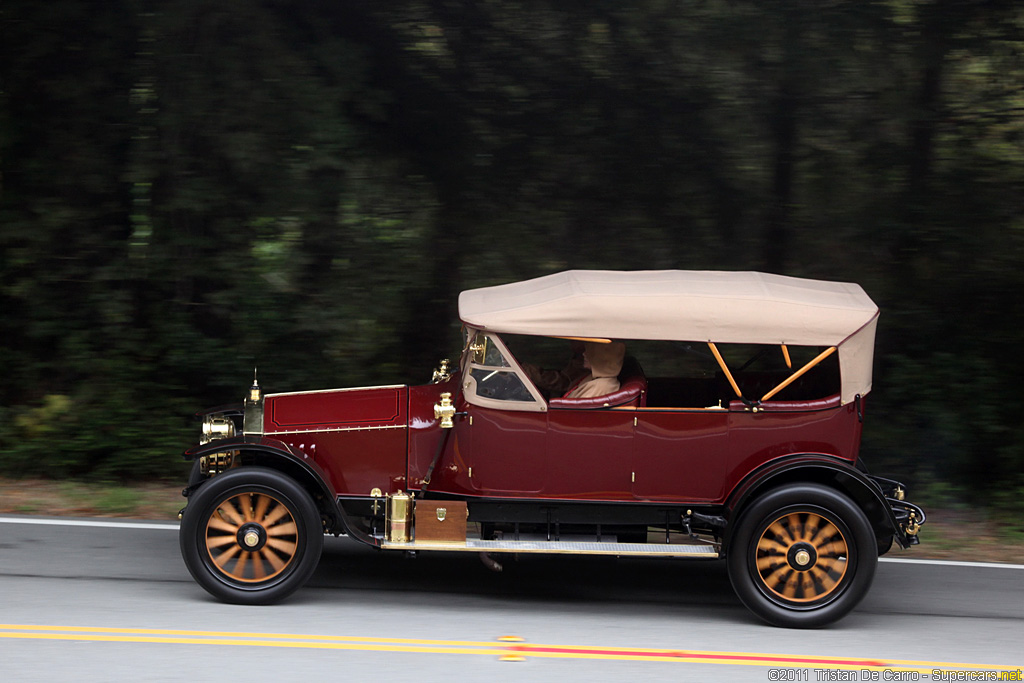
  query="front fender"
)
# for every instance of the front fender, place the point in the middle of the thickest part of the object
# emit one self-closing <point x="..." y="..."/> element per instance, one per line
<point x="824" y="469"/>
<point x="268" y="452"/>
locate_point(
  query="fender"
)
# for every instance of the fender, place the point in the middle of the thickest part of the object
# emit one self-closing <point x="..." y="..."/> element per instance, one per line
<point x="825" y="469"/>
<point x="280" y="456"/>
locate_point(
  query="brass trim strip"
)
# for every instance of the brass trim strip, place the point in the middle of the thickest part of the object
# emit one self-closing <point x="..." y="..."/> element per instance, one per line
<point x="677" y="409"/>
<point x="339" y="429"/>
<point x="336" y="391"/>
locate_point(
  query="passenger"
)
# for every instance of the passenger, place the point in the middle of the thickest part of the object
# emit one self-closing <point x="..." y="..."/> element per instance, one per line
<point x="605" y="364"/>
<point x="557" y="382"/>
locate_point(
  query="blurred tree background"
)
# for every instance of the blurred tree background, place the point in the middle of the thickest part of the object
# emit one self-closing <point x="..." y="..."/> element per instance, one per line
<point x="189" y="190"/>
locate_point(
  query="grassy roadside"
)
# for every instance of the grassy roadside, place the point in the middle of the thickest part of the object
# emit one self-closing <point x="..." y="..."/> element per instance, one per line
<point x="152" y="500"/>
<point x="953" y="533"/>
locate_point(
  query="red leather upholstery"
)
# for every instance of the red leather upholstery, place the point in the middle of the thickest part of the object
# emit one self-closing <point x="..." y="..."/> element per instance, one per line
<point x="630" y="393"/>
<point x="790" y="406"/>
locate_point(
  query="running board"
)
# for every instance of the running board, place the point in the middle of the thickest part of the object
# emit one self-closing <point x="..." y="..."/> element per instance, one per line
<point x="561" y="547"/>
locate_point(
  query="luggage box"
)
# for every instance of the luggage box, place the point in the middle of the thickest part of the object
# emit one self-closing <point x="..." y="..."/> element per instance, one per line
<point x="438" y="520"/>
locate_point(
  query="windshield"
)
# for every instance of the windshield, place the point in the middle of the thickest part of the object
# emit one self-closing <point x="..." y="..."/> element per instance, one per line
<point x="494" y="379"/>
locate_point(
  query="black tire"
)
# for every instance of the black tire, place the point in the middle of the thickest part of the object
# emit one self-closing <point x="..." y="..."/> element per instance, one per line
<point x="802" y="556"/>
<point x="251" y="536"/>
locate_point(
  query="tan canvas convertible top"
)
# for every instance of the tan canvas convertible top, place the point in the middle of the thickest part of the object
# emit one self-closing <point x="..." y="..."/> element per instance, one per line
<point x="709" y="306"/>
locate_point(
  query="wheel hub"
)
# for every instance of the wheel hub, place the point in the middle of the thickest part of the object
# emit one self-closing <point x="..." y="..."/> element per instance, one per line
<point x="802" y="556"/>
<point x="251" y="536"/>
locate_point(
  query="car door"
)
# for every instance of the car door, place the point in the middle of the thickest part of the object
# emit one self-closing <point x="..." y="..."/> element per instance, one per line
<point x="507" y="452"/>
<point x="521" y="447"/>
<point x="679" y="454"/>
<point x="589" y="453"/>
<point x="507" y="420"/>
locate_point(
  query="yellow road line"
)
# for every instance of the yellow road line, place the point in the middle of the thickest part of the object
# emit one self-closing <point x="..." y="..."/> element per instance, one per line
<point x="240" y="634"/>
<point x="370" y="647"/>
<point x="506" y="650"/>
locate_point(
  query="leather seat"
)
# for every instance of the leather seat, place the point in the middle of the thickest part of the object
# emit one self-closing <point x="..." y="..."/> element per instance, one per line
<point x="632" y="391"/>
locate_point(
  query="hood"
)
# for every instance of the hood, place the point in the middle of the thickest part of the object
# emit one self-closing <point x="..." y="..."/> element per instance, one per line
<point x="336" y="409"/>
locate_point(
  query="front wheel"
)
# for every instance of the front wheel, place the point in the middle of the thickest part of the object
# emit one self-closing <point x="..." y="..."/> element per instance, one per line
<point x="251" y="536"/>
<point x="802" y="556"/>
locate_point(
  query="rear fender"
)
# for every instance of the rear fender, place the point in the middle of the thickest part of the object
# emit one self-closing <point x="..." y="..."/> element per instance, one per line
<point x="824" y="469"/>
<point x="255" y="449"/>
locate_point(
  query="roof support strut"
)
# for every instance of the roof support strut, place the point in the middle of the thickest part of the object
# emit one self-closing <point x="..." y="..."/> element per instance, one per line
<point x="799" y="373"/>
<point x="725" y="369"/>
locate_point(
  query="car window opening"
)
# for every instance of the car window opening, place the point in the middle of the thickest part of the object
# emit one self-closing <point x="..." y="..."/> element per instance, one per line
<point x="691" y="376"/>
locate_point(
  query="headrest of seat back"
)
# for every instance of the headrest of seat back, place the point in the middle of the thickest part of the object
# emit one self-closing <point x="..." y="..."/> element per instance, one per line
<point x="627" y="393"/>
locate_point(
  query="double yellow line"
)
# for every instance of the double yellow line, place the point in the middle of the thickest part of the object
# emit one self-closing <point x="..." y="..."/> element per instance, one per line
<point x="508" y="648"/>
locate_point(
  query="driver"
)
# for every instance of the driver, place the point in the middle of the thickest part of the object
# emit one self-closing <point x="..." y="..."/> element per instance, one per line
<point x="605" y="363"/>
<point x="557" y="382"/>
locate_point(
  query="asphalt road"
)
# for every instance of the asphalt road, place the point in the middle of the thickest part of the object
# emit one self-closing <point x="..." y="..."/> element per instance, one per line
<point x="94" y="603"/>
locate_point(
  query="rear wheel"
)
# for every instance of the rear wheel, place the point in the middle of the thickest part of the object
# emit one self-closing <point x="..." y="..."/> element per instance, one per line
<point x="251" y="536"/>
<point x="802" y="556"/>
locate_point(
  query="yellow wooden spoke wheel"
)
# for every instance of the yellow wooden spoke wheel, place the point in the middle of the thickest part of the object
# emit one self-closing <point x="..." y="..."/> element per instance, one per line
<point x="251" y="535"/>
<point x="802" y="555"/>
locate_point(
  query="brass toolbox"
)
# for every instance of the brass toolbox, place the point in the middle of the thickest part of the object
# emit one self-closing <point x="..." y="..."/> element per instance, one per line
<point x="438" y="520"/>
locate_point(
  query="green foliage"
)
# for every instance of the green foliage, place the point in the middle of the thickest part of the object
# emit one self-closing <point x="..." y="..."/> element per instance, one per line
<point x="189" y="191"/>
<point x="118" y="499"/>
<point x="101" y="432"/>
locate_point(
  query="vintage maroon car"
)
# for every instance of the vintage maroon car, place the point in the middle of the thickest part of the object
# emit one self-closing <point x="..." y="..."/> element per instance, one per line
<point x="734" y="433"/>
